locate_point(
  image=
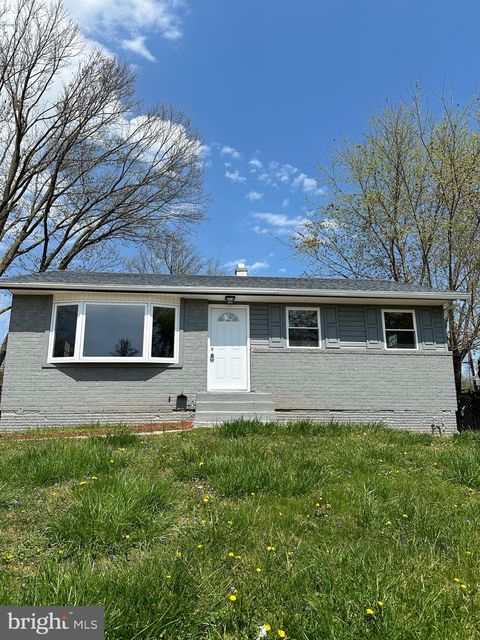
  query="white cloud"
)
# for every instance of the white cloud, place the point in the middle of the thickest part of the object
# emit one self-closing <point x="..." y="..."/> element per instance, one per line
<point x="137" y="45"/>
<point x="255" y="164"/>
<point x="253" y="196"/>
<point x="307" y="185"/>
<point x="230" y="151"/>
<point x="280" y="220"/>
<point x="257" y="266"/>
<point x="282" y="270"/>
<point x="285" y="203"/>
<point x="261" y="231"/>
<point x="128" y="21"/>
<point x="234" y="176"/>
<point x="277" y="223"/>
<point x="233" y="263"/>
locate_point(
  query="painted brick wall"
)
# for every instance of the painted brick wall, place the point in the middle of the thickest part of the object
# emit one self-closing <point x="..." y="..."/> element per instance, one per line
<point x="403" y="389"/>
<point x="35" y="394"/>
<point x="411" y="390"/>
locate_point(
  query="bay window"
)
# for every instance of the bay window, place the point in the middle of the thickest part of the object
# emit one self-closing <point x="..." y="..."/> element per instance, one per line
<point x="98" y="331"/>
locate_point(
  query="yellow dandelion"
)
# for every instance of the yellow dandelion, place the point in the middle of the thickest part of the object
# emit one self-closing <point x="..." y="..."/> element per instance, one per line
<point x="258" y="570"/>
<point x="388" y="523"/>
<point x="270" y="548"/>
<point x="204" y="522"/>
<point x="229" y="521"/>
<point x="178" y="554"/>
<point x="111" y="460"/>
<point x="93" y="478"/>
<point x="82" y="482"/>
<point x="168" y="577"/>
<point x="201" y="463"/>
<point x="206" y="499"/>
<point x="267" y="627"/>
<point x="281" y="633"/>
<point x="289" y="553"/>
<point x="238" y="557"/>
<point x="456" y="580"/>
<point x="380" y="603"/>
<point x="127" y="536"/>
<point x="253" y="493"/>
<point x="370" y="612"/>
<point x="232" y="598"/>
<point x="199" y="546"/>
<point x="463" y="586"/>
<point x="317" y="504"/>
<point x="405" y="515"/>
<point x="231" y="554"/>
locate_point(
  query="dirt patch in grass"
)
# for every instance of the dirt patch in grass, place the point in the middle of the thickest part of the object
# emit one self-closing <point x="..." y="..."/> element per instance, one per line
<point x="72" y="432"/>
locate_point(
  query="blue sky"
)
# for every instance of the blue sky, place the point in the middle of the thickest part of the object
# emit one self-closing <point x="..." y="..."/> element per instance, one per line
<point x="272" y="85"/>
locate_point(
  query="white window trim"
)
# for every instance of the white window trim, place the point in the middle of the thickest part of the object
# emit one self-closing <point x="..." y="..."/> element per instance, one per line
<point x="414" y="316"/>
<point x="147" y="332"/>
<point x="317" y="309"/>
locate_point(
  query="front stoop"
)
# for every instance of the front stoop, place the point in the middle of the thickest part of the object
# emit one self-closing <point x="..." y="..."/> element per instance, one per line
<point x="222" y="406"/>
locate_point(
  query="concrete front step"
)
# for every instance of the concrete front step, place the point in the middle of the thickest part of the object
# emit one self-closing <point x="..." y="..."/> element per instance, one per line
<point x="232" y="396"/>
<point x="214" y="417"/>
<point x="215" y="407"/>
<point x="227" y="405"/>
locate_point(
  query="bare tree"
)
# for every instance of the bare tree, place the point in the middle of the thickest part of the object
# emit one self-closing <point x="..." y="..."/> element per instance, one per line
<point x="172" y="253"/>
<point x="404" y="205"/>
<point x="82" y="164"/>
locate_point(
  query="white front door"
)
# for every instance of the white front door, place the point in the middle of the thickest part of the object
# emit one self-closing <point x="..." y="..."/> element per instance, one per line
<point x="228" y="348"/>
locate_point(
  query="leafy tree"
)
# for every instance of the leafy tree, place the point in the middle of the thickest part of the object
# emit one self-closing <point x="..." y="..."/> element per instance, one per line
<point x="172" y="253"/>
<point x="403" y="204"/>
<point x="82" y="163"/>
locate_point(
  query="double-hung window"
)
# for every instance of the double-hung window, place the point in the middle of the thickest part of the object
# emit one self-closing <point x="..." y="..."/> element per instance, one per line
<point x="303" y="327"/>
<point x="98" y="331"/>
<point x="400" y="329"/>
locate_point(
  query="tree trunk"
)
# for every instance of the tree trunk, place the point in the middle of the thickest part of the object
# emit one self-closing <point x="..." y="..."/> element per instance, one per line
<point x="3" y="350"/>
<point x="457" y="370"/>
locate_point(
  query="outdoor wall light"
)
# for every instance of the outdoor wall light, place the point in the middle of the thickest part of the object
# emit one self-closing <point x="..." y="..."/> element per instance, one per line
<point x="229" y="299"/>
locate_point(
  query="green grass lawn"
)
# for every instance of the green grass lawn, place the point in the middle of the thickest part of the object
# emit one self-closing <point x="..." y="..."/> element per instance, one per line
<point x="316" y="531"/>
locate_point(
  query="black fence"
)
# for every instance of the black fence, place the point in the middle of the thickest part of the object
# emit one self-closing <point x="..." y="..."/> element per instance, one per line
<point x="468" y="414"/>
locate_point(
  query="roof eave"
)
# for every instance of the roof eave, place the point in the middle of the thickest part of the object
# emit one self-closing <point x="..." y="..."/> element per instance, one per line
<point x="441" y="296"/>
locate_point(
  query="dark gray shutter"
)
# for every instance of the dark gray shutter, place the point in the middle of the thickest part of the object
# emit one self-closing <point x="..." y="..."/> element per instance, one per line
<point x="332" y="339"/>
<point x="373" y="326"/>
<point x="275" y="324"/>
<point x="427" y="331"/>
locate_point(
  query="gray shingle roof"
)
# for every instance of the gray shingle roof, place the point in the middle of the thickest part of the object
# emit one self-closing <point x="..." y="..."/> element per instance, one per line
<point x="130" y="281"/>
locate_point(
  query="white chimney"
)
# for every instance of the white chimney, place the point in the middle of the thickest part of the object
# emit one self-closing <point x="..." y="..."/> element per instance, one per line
<point x="241" y="269"/>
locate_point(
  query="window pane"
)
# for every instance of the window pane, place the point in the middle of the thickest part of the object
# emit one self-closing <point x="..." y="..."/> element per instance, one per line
<point x="114" y="330"/>
<point x="65" y="331"/>
<point x="228" y="317"/>
<point x="163" y="334"/>
<point x="303" y="337"/>
<point x="398" y="320"/>
<point x="302" y="318"/>
<point x="400" y="339"/>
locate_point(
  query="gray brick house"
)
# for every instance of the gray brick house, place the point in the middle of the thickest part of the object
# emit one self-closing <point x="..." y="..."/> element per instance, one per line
<point x="113" y="347"/>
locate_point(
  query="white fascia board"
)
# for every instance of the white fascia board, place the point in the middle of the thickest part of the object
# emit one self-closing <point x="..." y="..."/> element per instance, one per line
<point x="438" y="296"/>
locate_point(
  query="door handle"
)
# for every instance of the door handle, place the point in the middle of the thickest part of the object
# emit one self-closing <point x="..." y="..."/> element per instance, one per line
<point x="212" y="357"/>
